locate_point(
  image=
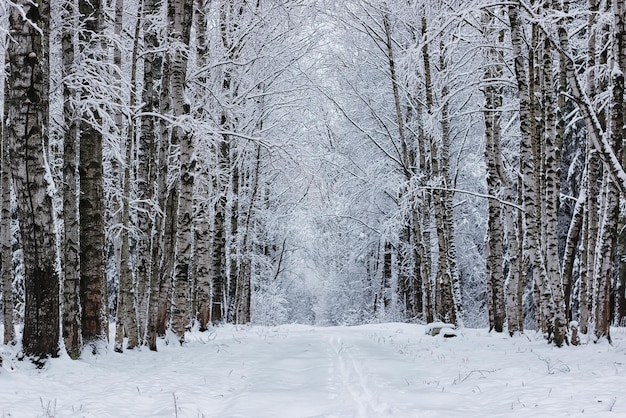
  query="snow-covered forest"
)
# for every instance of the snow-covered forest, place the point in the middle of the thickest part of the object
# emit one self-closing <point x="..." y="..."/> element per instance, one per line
<point x="173" y="166"/>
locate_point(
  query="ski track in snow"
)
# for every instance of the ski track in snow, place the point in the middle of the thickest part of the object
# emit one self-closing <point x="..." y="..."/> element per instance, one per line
<point x="355" y="381"/>
<point x="385" y="370"/>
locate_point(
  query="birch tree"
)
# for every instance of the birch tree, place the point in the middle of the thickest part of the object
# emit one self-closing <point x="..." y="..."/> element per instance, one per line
<point x="495" y="232"/>
<point x="26" y="112"/>
<point x="71" y="238"/>
<point x="6" y="253"/>
<point x="180" y="15"/>
<point x="152" y="172"/>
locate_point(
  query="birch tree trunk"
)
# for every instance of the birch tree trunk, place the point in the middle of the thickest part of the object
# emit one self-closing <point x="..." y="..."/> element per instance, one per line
<point x="233" y="234"/>
<point x="410" y="287"/>
<point x="154" y="142"/>
<point x="26" y="128"/>
<point x="534" y="183"/>
<point x="605" y="252"/>
<point x="202" y="253"/>
<point x="590" y="183"/>
<point x="619" y="13"/>
<point x="126" y="320"/>
<point x="495" y="230"/>
<point x="423" y="224"/>
<point x="531" y="244"/>
<point x="447" y="204"/>
<point x="71" y="237"/>
<point x="223" y="178"/>
<point x="553" y="290"/>
<point x="609" y="232"/>
<point x="243" y="291"/>
<point x="169" y="202"/>
<point x="180" y="14"/>
<point x="113" y="195"/>
<point x="6" y="253"/>
<point x="146" y="168"/>
<point x="446" y="285"/>
<point x="574" y="234"/>
<point x="162" y="248"/>
<point x="202" y="219"/>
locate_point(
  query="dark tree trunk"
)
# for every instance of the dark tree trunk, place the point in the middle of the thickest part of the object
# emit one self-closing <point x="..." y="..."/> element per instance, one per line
<point x="91" y="205"/>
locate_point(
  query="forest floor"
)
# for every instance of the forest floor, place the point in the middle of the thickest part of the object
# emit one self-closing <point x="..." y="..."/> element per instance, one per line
<point x="383" y="370"/>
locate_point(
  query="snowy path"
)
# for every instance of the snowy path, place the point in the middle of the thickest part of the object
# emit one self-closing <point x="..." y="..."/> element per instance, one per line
<point x="387" y="370"/>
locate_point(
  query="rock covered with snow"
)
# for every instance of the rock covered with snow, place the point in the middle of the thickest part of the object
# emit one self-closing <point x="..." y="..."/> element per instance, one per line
<point x="440" y="328"/>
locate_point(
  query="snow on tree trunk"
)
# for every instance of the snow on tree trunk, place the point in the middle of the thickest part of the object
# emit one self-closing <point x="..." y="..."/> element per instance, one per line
<point x="26" y="127"/>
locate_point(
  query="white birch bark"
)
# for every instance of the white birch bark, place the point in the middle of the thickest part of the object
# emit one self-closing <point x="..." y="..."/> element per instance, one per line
<point x="26" y="128"/>
<point x="531" y="244"/>
<point x="590" y="183"/>
<point x="553" y="290"/>
<point x="6" y="253"/>
<point x="202" y="218"/>
<point x="180" y="14"/>
<point x="608" y="234"/>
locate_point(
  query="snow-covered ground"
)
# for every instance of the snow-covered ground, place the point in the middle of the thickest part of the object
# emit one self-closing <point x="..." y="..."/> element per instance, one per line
<point x="386" y="370"/>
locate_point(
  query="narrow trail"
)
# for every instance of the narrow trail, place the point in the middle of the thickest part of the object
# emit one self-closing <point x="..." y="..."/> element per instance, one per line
<point x="327" y="366"/>
<point x="355" y="380"/>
